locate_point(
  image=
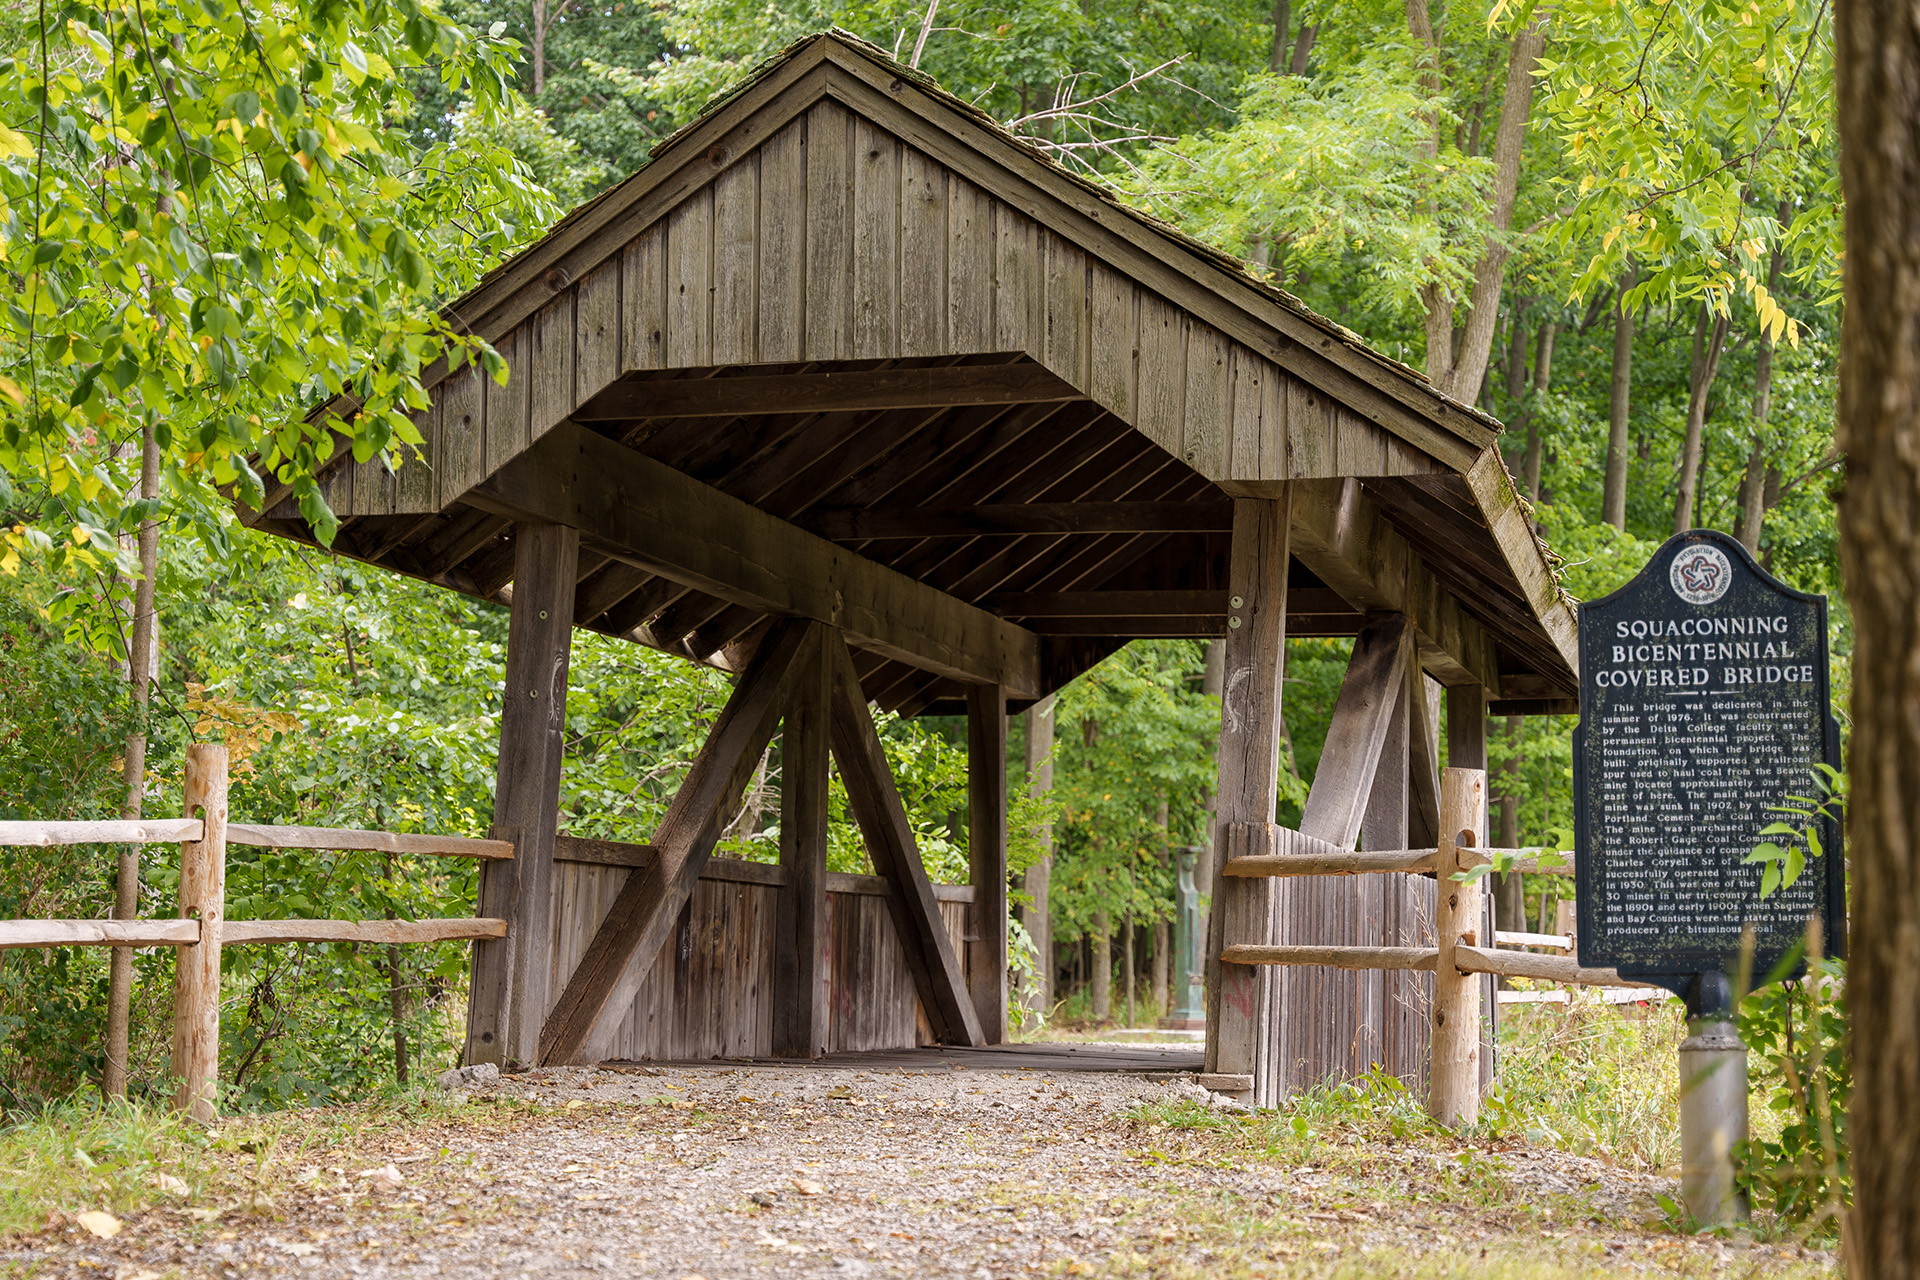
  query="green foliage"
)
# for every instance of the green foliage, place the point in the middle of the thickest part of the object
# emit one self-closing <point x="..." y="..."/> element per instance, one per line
<point x="1782" y="864"/>
<point x="1801" y="1064"/>
<point x="212" y="223"/>
<point x="1136" y="743"/>
<point x="1684" y="124"/>
<point x="1332" y="178"/>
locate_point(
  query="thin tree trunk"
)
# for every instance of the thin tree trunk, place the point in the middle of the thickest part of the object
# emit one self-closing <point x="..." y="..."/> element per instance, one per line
<point x="1303" y="48"/>
<point x="1102" y="965"/>
<point x="142" y="657"/>
<point x="926" y="29"/>
<point x="1162" y="969"/>
<point x="1036" y="914"/>
<point x="538" y="53"/>
<point x="1460" y="373"/>
<point x="1613" y="493"/>
<point x="1877" y="58"/>
<point x="1542" y="374"/>
<point x="1282" y="24"/>
<point x="1509" y="893"/>
<point x="396" y="998"/>
<point x="1709" y="340"/>
<point x="1131" y="965"/>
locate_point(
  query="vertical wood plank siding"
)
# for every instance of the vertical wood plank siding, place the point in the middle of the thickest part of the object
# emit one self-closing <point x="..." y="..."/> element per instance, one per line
<point x="834" y="240"/>
<point x="709" y="993"/>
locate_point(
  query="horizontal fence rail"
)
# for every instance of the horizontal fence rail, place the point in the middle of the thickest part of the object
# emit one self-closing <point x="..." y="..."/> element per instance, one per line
<point x="340" y="839"/>
<point x="1466" y="958"/>
<point x="98" y="933"/>
<point x="187" y="933"/>
<point x="1331" y="860"/>
<point x="201" y="929"/>
<point x="47" y="835"/>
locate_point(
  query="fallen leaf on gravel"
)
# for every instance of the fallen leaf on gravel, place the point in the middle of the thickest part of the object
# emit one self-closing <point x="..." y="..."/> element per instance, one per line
<point x="137" y="1275"/>
<point x="104" y="1225"/>
<point x="169" y="1184"/>
<point x="574" y="1104"/>
<point x="808" y="1187"/>
<point x="300" y="1249"/>
<point x="203" y="1215"/>
<point x="840" y="1091"/>
<point x="385" y="1178"/>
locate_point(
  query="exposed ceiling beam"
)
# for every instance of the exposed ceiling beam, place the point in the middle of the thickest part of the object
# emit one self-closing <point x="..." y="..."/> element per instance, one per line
<point x="1016" y="518"/>
<point x="1349" y="545"/>
<point x="647" y="514"/>
<point x="1148" y="604"/>
<point x="862" y="390"/>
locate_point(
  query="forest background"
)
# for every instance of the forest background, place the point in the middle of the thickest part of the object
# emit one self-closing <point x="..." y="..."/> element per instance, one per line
<point x="1612" y="224"/>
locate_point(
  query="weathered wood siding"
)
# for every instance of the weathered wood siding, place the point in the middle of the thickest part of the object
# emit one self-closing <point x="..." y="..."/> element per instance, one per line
<point x="1336" y="1024"/>
<point x="835" y="240"/>
<point x="709" y="991"/>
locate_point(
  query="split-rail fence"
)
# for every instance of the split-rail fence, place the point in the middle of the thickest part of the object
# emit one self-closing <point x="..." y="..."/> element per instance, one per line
<point x="202" y="929"/>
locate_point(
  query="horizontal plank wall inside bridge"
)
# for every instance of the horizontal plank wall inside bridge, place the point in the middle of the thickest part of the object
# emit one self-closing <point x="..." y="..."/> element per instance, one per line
<point x="709" y="992"/>
<point x="834" y="240"/>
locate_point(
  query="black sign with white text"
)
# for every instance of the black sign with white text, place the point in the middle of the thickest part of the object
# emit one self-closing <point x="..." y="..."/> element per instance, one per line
<point x="1703" y="702"/>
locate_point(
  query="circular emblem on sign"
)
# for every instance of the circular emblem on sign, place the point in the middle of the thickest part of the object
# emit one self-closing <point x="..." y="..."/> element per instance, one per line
<point x="1701" y="573"/>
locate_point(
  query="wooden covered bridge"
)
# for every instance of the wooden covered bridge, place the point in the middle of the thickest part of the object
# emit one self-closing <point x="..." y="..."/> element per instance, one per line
<point x="851" y="392"/>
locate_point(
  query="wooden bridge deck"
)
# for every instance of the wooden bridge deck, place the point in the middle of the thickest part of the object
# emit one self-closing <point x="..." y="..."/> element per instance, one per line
<point x="1010" y="1057"/>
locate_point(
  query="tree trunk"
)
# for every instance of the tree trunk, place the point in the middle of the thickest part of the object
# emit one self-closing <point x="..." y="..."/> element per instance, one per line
<point x="1131" y="965"/>
<point x="1877" y="56"/>
<point x="1542" y="374"/>
<point x="1460" y="373"/>
<point x="1303" y="48"/>
<point x="1509" y="891"/>
<point x="143" y="656"/>
<point x="1282" y="23"/>
<point x="1036" y="916"/>
<point x="538" y="53"/>
<point x="1162" y="970"/>
<point x="1102" y="965"/>
<point x="1709" y="340"/>
<point x="1613" y="493"/>
<point x="396" y="999"/>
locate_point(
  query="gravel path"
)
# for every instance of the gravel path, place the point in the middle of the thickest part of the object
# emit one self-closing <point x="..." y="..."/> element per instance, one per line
<point x="714" y="1173"/>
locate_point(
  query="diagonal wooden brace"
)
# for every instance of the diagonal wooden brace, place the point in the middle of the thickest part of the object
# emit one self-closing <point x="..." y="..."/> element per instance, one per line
<point x="644" y="912"/>
<point x="875" y="804"/>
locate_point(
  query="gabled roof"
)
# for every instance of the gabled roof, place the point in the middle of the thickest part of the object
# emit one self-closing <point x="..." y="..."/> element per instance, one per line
<point x="839" y="216"/>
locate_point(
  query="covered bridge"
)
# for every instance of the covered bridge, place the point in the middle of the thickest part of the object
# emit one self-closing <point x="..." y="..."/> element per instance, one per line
<point x="854" y="393"/>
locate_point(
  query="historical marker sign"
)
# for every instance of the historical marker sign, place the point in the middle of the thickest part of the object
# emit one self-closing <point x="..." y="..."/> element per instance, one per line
<point x="1703" y="701"/>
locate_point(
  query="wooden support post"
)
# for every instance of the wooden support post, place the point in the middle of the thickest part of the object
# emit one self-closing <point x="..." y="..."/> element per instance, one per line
<point x="1423" y="740"/>
<point x="1240" y="998"/>
<point x="803" y="982"/>
<point x="1333" y="1025"/>
<point x="1455" y="1095"/>
<point x="511" y="984"/>
<point x="987" y="856"/>
<point x="1037" y="915"/>
<point x="643" y="914"/>
<point x="1467" y="749"/>
<point x="203" y="897"/>
<point x="875" y="804"/>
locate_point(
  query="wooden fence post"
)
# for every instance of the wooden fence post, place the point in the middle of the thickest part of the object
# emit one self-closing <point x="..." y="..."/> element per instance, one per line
<point x="1455" y="1096"/>
<point x="203" y="896"/>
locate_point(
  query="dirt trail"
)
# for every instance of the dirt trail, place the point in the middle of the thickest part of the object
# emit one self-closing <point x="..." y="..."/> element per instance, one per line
<point x="718" y="1173"/>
